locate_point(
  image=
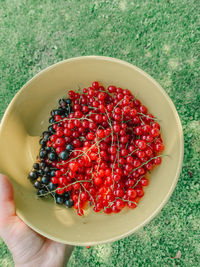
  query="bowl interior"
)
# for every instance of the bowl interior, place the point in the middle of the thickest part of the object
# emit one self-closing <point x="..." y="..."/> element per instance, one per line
<point x="27" y="117"/>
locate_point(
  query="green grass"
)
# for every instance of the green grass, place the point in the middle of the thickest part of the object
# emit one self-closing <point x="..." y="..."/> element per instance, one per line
<point x="160" y="37"/>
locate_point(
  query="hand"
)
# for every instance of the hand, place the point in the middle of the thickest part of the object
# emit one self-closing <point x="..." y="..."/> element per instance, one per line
<point x="27" y="247"/>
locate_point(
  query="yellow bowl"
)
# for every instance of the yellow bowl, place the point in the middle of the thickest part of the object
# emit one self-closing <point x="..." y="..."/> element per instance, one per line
<point x="27" y="117"/>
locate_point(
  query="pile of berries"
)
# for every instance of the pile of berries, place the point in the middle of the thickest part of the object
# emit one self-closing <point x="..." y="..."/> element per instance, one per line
<point x="97" y="151"/>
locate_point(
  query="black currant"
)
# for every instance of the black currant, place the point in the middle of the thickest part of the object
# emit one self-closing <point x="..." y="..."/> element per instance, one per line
<point x="40" y="172"/>
<point x="43" y="154"/>
<point x="69" y="147"/>
<point x="41" y="192"/>
<point x="69" y="203"/>
<point x="33" y="175"/>
<point x="59" y="200"/>
<point x="42" y="165"/>
<point x="51" y="186"/>
<point x="46" y="169"/>
<point x="64" y="155"/>
<point x="52" y="173"/>
<point x="68" y="101"/>
<point x="45" y="180"/>
<point x="42" y="142"/>
<point x="67" y="195"/>
<point x="36" y="166"/>
<point x="52" y="156"/>
<point x="38" y="185"/>
<point x="51" y="120"/>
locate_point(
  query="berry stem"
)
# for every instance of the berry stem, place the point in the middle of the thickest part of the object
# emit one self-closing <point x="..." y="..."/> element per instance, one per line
<point x="155" y="119"/>
<point x="81" y="181"/>
<point x="137" y="182"/>
<point x="147" y="162"/>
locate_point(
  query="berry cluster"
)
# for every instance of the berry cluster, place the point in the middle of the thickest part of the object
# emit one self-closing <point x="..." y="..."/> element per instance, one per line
<point x="98" y="148"/>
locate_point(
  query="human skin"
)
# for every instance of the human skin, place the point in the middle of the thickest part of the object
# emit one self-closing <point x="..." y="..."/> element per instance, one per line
<point x="27" y="247"/>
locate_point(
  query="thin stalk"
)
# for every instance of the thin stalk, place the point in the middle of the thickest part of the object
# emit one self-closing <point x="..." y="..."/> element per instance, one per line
<point x="82" y="181"/>
<point x="147" y="162"/>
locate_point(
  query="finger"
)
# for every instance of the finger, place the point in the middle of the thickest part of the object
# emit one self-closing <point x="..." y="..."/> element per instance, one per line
<point x="7" y="207"/>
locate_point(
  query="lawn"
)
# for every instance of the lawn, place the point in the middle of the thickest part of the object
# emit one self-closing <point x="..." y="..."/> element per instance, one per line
<point x="159" y="36"/>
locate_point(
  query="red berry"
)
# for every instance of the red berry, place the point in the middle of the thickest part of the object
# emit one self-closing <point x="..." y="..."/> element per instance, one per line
<point x="73" y="166"/>
<point x="102" y="108"/>
<point x="119" y="204"/>
<point x="141" y="145"/>
<point x="136" y="163"/>
<point x="95" y="85"/>
<point x="119" y="193"/>
<point x="116" y="128"/>
<point x="155" y="132"/>
<point x="108" y="210"/>
<point x="144" y="182"/>
<point x="133" y="113"/>
<point x="124" y="139"/>
<point x="131" y="205"/>
<point x="155" y="125"/>
<point x="111" y="89"/>
<point x="109" y="108"/>
<point x="118" y="111"/>
<point x="90" y="136"/>
<point x="157" y="161"/>
<point x="129" y="159"/>
<point x="83" y="196"/>
<point x="126" y="110"/>
<point x="101" y="96"/>
<point x="54" y="180"/>
<point x="116" y="177"/>
<point x="140" y="192"/>
<point x="124" y="152"/>
<point x="98" y="181"/>
<point x="85" y="109"/>
<point x="60" y="142"/>
<point x="159" y="147"/>
<point x="98" y="118"/>
<point x="60" y="190"/>
<point x="85" y="124"/>
<point x="143" y="109"/>
<point x="58" y="118"/>
<point x="138" y="130"/>
<point x="131" y="193"/>
<point x="80" y="212"/>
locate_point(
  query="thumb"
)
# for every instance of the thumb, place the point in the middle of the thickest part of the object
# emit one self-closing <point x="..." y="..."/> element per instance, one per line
<point x="7" y="207"/>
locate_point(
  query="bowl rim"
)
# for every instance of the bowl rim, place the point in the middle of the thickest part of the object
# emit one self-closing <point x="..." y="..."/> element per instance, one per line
<point x="180" y="134"/>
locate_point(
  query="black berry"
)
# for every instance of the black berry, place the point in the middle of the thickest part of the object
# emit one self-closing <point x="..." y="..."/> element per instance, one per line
<point x="51" y="186"/>
<point x="40" y="172"/>
<point x="69" y="203"/>
<point x="41" y="192"/>
<point x="45" y="180"/>
<point x="50" y="128"/>
<point x="46" y="169"/>
<point x="38" y="185"/>
<point x="67" y="195"/>
<point x="64" y="155"/>
<point x="42" y="142"/>
<point x="52" y="173"/>
<point x="52" y="156"/>
<point x="36" y="166"/>
<point x="42" y="165"/>
<point x="68" y="101"/>
<point x="59" y="200"/>
<point x="46" y="135"/>
<point x="51" y="120"/>
<point x="33" y="175"/>
<point x="69" y="147"/>
<point x="43" y="154"/>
